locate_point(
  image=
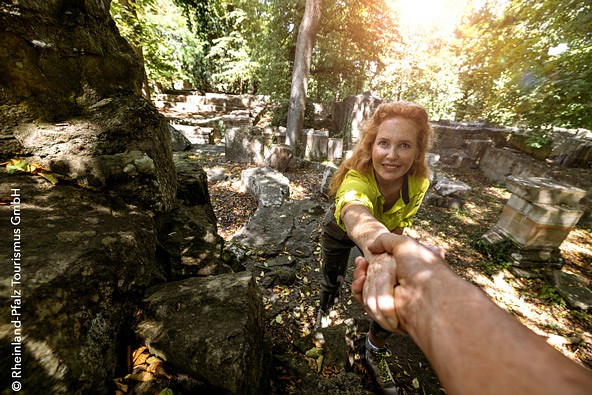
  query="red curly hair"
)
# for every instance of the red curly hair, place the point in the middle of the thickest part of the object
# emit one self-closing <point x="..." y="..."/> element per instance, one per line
<point x="361" y="159"/>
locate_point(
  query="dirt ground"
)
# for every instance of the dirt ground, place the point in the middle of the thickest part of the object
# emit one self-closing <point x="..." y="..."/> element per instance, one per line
<point x="291" y="310"/>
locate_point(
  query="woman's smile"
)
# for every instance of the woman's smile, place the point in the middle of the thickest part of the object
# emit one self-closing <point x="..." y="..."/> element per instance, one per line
<point x="394" y="151"/>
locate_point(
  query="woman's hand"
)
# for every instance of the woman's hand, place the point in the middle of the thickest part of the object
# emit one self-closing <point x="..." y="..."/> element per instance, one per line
<point x="375" y="285"/>
<point x="378" y="294"/>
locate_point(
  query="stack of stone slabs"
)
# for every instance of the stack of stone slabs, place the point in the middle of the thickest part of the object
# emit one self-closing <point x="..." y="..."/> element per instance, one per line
<point x="538" y="217"/>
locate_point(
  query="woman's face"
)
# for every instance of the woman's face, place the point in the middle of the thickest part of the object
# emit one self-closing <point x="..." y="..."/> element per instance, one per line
<point x="394" y="150"/>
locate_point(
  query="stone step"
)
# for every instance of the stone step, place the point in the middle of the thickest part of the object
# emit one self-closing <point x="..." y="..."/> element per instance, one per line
<point x="188" y="107"/>
<point x="225" y="102"/>
<point x="195" y="134"/>
<point x="227" y="120"/>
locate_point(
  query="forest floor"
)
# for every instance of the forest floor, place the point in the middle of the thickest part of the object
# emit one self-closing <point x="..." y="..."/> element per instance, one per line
<point x="533" y="301"/>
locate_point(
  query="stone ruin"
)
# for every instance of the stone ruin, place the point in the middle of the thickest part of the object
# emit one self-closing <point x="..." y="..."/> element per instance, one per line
<point x="550" y="194"/>
<point x="500" y="153"/>
<point x="349" y="114"/>
<point x="537" y="218"/>
<point x="206" y="119"/>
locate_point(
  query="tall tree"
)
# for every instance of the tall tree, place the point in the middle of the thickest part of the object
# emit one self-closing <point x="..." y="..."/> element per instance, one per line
<point x="352" y="44"/>
<point x="528" y="63"/>
<point x="301" y="71"/>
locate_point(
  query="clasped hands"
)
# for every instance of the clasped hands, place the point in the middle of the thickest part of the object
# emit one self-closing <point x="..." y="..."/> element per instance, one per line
<point x="386" y="279"/>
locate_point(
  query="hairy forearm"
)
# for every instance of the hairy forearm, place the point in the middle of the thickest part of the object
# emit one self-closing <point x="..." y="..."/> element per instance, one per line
<point x="476" y="347"/>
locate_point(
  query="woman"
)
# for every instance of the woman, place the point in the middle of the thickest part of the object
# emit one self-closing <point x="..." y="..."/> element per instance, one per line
<point x="377" y="190"/>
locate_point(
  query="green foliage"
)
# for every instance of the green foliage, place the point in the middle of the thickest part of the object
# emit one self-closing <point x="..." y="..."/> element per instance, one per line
<point x="528" y="63"/>
<point x="538" y="138"/>
<point x="353" y="39"/>
<point x="420" y="66"/>
<point x="549" y="294"/>
<point x="230" y="31"/>
<point x="520" y="62"/>
<point x="158" y="30"/>
<point x="276" y="48"/>
<point x="496" y="255"/>
<point x="279" y="116"/>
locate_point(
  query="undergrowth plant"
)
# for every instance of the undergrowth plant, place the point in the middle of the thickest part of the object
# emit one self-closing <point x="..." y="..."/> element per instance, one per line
<point x="496" y="256"/>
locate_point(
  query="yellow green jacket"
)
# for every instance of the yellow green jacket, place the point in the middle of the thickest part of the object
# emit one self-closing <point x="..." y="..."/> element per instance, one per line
<point x="364" y="189"/>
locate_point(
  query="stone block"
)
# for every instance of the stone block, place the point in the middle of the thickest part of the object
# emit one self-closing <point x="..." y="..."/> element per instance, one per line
<point x="545" y="214"/>
<point x="537" y="257"/>
<point x="350" y="113"/>
<point x="269" y="187"/>
<point x="529" y="233"/>
<point x="210" y="329"/>
<point x="573" y="289"/>
<point x="316" y="142"/>
<point x="497" y="164"/>
<point x="193" y="133"/>
<point x="445" y="186"/>
<point x="328" y="173"/>
<point x="545" y="191"/>
<point x="279" y="157"/>
<point x="334" y="149"/>
<point x="244" y="144"/>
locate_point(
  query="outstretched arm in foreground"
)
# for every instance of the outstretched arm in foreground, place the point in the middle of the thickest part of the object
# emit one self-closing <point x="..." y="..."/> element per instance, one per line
<point x="474" y="346"/>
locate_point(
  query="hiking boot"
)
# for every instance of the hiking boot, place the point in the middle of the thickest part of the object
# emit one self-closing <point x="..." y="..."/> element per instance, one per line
<point x="326" y="301"/>
<point x="377" y="365"/>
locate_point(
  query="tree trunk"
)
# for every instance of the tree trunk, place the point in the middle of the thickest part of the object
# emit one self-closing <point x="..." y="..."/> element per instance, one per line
<point x="301" y="71"/>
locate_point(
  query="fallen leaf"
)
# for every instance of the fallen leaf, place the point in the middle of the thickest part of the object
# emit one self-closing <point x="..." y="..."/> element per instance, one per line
<point x="314" y="352"/>
<point x="140" y="355"/>
<point x="49" y="177"/>
<point x="141" y="376"/>
<point x="320" y="363"/>
<point x="153" y="359"/>
<point x="16" y="165"/>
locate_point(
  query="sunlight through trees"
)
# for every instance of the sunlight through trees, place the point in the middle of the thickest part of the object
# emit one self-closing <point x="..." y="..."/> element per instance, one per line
<point x="514" y="62"/>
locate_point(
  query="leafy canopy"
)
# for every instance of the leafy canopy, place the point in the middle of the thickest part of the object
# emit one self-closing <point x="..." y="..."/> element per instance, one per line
<point x="526" y="62"/>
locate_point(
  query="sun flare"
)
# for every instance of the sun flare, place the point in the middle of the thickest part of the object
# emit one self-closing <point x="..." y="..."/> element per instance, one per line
<point x="429" y="17"/>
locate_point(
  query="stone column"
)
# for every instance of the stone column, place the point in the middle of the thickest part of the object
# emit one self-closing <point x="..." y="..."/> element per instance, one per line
<point x="316" y="144"/>
<point x="537" y="218"/>
<point x="335" y="149"/>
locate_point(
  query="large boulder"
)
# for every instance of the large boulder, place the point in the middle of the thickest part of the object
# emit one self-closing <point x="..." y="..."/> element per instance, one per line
<point x="71" y="100"/>
<point x="82" y="251"/>
<point x="59" y="57"/>
<point x="189" y="243"/>
<point x="78" y="262"/>
<point x="211" y="329"/>
<point x="121" y="145"/>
